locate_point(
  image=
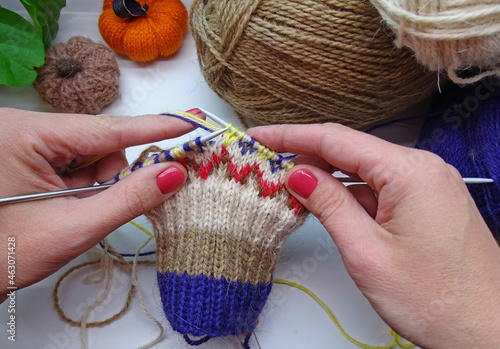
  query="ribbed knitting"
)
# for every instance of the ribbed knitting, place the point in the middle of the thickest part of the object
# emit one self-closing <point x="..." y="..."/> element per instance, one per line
<point x="219" y="237"/>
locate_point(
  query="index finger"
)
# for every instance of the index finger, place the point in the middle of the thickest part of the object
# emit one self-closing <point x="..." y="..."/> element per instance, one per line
<point x="107" y="133"/>
<point x="375" y="161"/>
<point x="96" y="134"/>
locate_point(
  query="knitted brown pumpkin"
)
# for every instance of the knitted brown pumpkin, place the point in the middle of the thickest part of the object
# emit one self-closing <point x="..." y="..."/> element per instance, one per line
<point x="157" y="30"/>
<point x="80" y="76"/>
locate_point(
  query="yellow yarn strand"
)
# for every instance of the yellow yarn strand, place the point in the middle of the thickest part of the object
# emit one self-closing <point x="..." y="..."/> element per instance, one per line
<point x="198" y="120"/>
<point x="233" y="134"/>
<point x="141" y="228"/>
<point x="397" y="338"/>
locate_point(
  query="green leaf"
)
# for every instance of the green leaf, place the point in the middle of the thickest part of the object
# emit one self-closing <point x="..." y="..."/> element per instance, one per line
<point x="45" y="14"/>
<point x="21" y="49"/>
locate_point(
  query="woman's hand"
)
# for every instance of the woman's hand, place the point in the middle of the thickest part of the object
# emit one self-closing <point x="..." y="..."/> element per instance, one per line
<point x="412" y="239"/>
<point x="35" y="147"/>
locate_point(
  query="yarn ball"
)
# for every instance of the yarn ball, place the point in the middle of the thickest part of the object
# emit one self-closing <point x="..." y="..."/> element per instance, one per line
<point x="79" y="76"/>
<point x="218" y="238"/>
<point x="466" y="135"/>
<point x="295" y="61"/>
<point x="461" y="37"/>
<point x="144" y="38"/>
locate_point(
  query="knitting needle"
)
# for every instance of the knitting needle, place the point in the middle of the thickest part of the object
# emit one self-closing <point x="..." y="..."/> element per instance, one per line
<point x="213" y="117"/>
<point x="53" y="194"/>
<point x="78" y="191"/>
<point x="95" y="158"/>
<point x="350" y="180"/>
<point x="467" y="180"/>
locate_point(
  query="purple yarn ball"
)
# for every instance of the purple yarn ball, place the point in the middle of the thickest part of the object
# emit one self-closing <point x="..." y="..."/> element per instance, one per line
<point x="467" y="135"/>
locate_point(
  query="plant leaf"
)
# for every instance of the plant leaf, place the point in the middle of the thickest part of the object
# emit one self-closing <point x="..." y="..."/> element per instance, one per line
<point x="21" y="49"/>
<point x="45" y="14"/>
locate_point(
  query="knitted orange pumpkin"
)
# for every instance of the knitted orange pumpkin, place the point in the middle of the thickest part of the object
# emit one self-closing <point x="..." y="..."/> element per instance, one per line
<point x="146" y="31"/>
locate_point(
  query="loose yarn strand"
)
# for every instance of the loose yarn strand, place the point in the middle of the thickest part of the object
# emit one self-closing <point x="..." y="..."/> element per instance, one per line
<point x="106" y="269"/>
<point x="141" y="228"/>
<point x="141" y="297"/>
<point x="397" y="338"/>
<point x="120" y="261"/>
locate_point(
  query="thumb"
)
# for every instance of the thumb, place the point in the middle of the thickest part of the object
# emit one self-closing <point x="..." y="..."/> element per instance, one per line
<point x="333" y="204"/>
<point x="132" y="196"/>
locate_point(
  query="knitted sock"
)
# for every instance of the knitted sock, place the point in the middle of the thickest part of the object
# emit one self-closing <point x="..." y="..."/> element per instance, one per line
<point x="219" y="237"/>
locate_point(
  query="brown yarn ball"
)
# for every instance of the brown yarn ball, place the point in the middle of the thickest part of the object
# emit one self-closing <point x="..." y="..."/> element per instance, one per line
<point x="302" y="61"/>
<point x="79" y="76"/>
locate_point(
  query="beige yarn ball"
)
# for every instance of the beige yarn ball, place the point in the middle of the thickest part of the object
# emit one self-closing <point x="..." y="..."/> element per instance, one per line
<point x="79" y="76"/>
<point x="301" y="61"/>
<point x="460" y="37"/>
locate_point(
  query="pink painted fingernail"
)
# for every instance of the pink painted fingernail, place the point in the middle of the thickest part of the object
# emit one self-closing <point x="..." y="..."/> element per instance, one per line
<point x="302" y="182"/>
<point x="194" y="111"/>
<point x="170" y="179"/>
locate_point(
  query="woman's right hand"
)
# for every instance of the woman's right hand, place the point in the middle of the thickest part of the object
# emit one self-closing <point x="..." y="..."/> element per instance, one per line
<point x="412" y="239"/>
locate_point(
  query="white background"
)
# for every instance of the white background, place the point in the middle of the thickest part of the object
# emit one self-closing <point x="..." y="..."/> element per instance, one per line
<point x="291" y="318"/>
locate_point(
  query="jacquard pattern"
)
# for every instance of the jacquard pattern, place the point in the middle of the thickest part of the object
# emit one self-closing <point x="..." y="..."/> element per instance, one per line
<point x="218" y="239"/>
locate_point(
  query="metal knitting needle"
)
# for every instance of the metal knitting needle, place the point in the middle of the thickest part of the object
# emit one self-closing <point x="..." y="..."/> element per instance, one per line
<point x="78" y="191"/>
<point x="467" y="180"/>
<point x="213" y="117"/>
<point x="203" y="139"/>
<point x="53" y="194"/>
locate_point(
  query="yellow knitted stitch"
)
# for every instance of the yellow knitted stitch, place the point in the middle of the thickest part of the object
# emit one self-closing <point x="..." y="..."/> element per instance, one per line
<point x="230" y="135"/>
<point x="177" y="152"/>
<point x="270" y="155"/>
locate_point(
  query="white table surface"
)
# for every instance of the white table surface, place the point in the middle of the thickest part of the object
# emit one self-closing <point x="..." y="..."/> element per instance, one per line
<point x="291" y="319"/>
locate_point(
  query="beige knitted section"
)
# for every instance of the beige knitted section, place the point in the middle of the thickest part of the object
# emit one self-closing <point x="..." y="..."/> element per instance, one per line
<point x="225" y="222"/>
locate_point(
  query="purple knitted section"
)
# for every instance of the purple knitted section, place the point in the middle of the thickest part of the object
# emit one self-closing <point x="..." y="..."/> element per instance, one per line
<point x="204" y="306"/>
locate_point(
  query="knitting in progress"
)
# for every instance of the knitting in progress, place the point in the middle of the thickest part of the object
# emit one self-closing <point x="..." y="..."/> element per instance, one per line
<point x="295" y="61"/>
<point x="218" y="239"/>
<point x="79" y="76"/>
<point x="459" y="37"/>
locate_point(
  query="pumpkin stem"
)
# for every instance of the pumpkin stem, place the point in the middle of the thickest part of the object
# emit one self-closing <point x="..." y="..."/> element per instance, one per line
<point x="66" y="68"/>
<point x="129" y="8"/>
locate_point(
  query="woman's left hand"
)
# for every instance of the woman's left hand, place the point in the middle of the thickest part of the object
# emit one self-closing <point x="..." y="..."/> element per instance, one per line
<point x="36" y="148"/>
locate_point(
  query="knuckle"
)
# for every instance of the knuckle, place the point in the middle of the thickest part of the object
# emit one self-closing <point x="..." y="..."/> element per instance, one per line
<point x="327" y="203"/>
<point x="363" y="258"/>
<point x="439" y="169"/>
<point x="136" y="202"/>
<point x="454" y="173"/>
